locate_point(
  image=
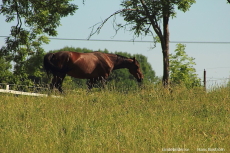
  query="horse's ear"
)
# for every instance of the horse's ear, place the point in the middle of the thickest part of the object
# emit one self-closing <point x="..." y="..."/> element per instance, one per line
<point x="134" y="59"/>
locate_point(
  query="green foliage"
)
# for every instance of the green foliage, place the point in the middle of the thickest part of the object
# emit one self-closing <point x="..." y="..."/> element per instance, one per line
<point x="72" y="49"/>
<point x="34" y="19"/>
<point x="146" y="17"/>
<point x="147" y="120"/>
<point x="27" y="68"/>
<point x="34" y="67"/>
<point x="139" y="15"/>
<point x="6" y="74"/>
<point x="181" y="68"/>
<point x="38" y="17"/>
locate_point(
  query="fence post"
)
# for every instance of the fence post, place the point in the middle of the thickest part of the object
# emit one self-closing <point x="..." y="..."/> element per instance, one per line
<point x="204" y="79"/>
<point x="7" y="87"/>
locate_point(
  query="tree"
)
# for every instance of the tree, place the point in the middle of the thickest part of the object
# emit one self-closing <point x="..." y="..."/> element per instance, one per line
<point x="34" y="19"/>
<point x="143" y="16"/>
<point x="181" y="68"/>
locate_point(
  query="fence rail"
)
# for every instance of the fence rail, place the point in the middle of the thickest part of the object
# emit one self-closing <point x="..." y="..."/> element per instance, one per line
<point x="7" y="90"/>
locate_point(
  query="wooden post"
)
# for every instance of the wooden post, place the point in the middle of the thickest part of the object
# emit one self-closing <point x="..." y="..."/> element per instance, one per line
<point x="204" y="79"/>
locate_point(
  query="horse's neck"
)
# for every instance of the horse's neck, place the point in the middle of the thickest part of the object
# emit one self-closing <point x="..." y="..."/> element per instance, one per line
<point x="121" y="63"/>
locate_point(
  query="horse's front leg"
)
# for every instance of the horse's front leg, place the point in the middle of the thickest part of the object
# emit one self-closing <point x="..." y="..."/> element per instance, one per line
<point x="90" y="83"/>
<point x="103" y="82"/>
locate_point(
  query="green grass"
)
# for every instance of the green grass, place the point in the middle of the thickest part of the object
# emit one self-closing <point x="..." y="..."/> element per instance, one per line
<point x="146" y="120"/>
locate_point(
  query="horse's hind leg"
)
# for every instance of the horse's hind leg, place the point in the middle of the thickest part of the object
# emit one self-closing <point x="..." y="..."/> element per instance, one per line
<point x="103" y="81"/>
<point x="90" y="84"/>
<point x="57" y="83"/>
<point x="53" y="82"/>
<point x="59" y="87"/>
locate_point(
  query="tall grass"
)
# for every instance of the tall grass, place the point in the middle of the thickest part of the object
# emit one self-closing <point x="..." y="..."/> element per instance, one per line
<point x="143" y="120"/>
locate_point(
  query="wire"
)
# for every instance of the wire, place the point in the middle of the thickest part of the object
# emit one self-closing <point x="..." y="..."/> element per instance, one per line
<point x="218" y="68"/>
<point x="139" y="41"/>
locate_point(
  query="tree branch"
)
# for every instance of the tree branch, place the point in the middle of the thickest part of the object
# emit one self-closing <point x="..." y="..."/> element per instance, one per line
<point x="19" y="23"/>
<point x="104" y="21"/>
<point x="152" y="19"/>
<point x="117" y="26"/>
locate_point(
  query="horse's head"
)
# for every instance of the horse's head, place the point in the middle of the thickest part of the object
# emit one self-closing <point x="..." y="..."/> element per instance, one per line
<point x="135" y="70"/>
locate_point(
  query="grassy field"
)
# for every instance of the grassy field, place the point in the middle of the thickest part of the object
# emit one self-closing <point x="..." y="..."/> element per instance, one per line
<point x="144" y="120"/>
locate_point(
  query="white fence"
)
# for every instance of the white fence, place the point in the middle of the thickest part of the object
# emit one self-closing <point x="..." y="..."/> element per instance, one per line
<point x="7" y="90"/>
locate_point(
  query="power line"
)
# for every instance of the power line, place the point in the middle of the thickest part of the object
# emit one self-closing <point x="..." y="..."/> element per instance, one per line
<point x="218" y="68"/>
<point x="213" y="68"/>
<point x="139" y="41"/>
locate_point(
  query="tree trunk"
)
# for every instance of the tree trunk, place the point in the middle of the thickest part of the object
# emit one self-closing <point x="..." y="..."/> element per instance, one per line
<point x="165" y="79"/>
<point x="164" y="38"/>
<point x="165" y="50"/>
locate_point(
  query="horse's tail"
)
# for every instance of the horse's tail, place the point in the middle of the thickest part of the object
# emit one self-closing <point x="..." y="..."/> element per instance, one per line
<point x="47" y="64"/>
<point x="49" y="67"/>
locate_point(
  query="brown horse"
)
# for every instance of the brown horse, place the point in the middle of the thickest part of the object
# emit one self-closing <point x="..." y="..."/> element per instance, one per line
<point x="95" y="66"/>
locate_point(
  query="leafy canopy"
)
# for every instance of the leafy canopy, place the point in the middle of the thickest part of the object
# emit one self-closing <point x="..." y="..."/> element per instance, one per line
<point x="5" y="74"/>
<point x="142" y="14"/>
<point x="33" y="19"/>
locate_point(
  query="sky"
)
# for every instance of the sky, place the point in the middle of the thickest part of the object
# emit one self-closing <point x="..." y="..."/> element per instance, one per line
<point x="206" y="21"/>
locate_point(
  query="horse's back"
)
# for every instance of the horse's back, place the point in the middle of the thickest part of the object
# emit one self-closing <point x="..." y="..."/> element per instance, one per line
<point x="89" y="65"/>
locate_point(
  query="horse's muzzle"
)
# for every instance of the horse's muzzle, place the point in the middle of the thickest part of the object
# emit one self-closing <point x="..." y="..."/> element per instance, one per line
<point x="140" y="80"/>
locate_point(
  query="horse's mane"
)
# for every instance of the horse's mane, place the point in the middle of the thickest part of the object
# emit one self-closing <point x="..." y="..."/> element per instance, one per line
<point x="122" y="57"/>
